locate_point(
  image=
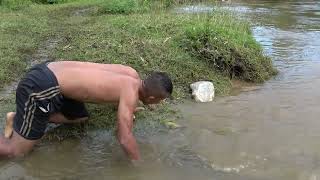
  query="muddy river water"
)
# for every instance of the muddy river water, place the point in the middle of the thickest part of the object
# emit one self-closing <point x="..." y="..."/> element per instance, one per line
<point x="269" y="131"/>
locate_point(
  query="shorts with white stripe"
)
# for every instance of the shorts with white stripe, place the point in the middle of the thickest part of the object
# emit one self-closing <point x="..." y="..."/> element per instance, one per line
<point x="37" y="96"/>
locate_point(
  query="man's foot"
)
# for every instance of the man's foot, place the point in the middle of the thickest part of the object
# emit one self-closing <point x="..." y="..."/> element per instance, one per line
<point x="9" y="125"/>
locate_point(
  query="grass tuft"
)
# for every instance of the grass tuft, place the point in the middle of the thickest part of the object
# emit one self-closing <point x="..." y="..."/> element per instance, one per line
<point x="228" y="46"/>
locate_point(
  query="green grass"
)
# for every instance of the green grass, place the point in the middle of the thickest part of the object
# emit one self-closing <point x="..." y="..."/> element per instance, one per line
<point x="21" y="33"/>
<point x="143" y="41"/>
<point x="22" y="4"/>
<point x="119" y="6"/>
<point x="216" y="46"/>
<point x="228" y="46"/>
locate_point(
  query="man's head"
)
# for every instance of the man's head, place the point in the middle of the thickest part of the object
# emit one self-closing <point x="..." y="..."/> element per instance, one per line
<point x="156" y="87"/>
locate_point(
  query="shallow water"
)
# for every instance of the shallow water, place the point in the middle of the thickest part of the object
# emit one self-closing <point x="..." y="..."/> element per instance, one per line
<point x="267" y="131"/>
<point x="270" y="131"/>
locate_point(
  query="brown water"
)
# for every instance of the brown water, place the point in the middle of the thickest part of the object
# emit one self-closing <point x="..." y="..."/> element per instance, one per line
<point x="269" y="132"/>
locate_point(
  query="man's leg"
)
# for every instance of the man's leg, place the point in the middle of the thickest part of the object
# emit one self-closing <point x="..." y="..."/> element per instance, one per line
<point x="18" y="145"/>
<point x="60" y="118"/>
<point x="72" y="111"/>
<point x="57" y="118"/>
<point x="15" y="146"/>
<point x="4" y="147"/>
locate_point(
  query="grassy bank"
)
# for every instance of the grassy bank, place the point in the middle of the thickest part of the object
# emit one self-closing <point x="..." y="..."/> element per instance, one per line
<point x="216" y="46"/>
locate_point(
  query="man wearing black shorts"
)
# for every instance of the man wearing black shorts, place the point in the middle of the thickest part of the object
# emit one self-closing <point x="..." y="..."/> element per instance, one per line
<point x="56" y="92"/>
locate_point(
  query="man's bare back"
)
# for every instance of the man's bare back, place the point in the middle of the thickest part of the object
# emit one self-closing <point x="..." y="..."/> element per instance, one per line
<point x="92" y="82"/>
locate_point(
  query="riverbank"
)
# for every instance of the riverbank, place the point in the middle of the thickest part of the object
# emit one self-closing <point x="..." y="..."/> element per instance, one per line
<point x="190" y="47"/>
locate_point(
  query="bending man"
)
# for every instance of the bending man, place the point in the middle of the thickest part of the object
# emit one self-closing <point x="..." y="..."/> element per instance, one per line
<point x="56" y="92"/>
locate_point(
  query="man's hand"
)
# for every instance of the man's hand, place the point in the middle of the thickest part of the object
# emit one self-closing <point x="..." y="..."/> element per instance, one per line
<point x="137" y="110"/>
<point x="129" y="144"/>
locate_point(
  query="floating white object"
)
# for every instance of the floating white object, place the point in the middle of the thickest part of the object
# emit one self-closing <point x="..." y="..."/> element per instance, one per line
<point x="202" y="91"/>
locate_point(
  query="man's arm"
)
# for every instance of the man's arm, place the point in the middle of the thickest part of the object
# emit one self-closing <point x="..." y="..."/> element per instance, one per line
<point x="127" y="105"/>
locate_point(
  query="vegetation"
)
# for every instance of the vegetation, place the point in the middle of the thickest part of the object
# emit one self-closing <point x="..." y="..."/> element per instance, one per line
<point x="140" y="33"/>
<point x="228" y="46"/>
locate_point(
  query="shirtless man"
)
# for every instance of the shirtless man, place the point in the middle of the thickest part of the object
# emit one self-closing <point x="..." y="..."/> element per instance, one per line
<point x="55" y="92"/>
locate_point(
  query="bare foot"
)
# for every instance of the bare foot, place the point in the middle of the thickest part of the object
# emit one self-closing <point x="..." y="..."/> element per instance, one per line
<point x="9" y="125"/>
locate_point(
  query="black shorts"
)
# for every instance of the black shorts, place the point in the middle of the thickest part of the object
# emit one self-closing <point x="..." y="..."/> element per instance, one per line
<point x="37" y="97"/>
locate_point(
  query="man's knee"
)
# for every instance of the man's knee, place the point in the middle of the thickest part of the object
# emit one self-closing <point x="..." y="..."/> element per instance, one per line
<point x="15" y="151"/>
<point x="6" y="150"/>
<point x="18" y="146"/>
<point x="12" y="152"/>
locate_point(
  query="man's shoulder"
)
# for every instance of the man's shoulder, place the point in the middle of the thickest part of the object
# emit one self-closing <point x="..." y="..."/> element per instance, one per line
<point x="124" y="82"/>
<point x="131" y="82"/>
<point x="129" y="85"/>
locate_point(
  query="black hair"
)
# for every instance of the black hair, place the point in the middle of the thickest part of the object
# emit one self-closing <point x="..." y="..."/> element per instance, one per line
<point x="158" y="83"/>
